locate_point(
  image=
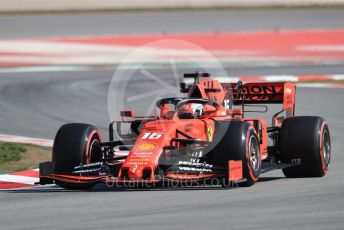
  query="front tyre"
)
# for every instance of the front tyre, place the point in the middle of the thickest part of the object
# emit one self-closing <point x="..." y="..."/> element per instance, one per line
<point x="238" y="141"/>
<point x="75" y="144"/>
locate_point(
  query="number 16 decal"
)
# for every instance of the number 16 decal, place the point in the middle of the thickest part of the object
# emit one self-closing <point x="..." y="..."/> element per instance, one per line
<point x="151" y="136"/>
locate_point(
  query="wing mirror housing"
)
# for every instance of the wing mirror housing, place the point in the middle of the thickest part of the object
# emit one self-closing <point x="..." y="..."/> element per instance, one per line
<point x="127" y="113"/>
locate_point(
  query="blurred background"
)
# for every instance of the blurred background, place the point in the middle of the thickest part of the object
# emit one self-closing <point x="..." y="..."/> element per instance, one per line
<point x="57" y="58"/>
<point x="65" y="61"/>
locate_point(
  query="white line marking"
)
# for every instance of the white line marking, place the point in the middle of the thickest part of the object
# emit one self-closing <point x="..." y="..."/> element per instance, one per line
<point x="337" y="77"/>
<point x="320" y="85"/>
<point x="281" y="78"/>
<point x="43" y="69"/>
<point x="18" y="179"/>
<point x="46" y="47"/>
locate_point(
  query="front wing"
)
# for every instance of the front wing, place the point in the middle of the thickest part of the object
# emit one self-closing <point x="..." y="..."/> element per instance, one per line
<point x="233" y="173"/>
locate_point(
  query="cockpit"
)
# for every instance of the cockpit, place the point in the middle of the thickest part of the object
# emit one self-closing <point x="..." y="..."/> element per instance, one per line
<point x="186" y="108"/>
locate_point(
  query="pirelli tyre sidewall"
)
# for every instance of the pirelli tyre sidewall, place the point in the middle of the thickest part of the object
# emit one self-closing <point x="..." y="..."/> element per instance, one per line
<point x="305" y="139"/>
<point x="73" y="146"/>
<point x="253" y="158"/>
<point x="237" y="140"/>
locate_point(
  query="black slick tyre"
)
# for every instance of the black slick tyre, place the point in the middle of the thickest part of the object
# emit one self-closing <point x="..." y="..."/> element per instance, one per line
<point x="238" y="141"/>
<point x="74" y="145"/>
<point x="305" y="139"/>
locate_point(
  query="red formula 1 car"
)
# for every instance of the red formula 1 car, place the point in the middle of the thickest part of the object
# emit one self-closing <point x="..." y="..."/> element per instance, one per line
<point x="201" y="138"/>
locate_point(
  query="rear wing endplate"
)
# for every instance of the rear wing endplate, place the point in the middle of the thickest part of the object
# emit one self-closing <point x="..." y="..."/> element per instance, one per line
<point x="263" y="93"/>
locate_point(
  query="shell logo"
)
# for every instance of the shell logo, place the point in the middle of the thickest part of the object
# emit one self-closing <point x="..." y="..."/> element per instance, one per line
<point x="146" y="147"/>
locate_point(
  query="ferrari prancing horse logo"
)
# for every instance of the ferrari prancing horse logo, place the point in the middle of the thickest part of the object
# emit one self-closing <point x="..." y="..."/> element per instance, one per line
<point x="210" y="133"/>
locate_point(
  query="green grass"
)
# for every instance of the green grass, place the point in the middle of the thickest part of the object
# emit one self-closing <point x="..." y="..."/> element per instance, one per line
<point x="17" y="157"/>
<point x="11" y="152"/>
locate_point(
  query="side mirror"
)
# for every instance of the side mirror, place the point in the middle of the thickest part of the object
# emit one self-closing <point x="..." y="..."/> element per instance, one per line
<point x="127" y="113"/>
<point x="278" y="121"/>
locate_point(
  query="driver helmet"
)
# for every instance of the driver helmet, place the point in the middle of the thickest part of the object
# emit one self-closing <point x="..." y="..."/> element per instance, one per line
<point x="192" y="110"/>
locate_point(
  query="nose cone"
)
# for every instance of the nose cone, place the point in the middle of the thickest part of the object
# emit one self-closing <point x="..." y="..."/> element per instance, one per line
<point x="142" y="159"/>
<point x="144" y="156"/>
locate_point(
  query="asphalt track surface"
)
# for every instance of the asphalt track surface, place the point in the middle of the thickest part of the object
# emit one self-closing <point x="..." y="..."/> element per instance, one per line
<point x="36" y="104"/>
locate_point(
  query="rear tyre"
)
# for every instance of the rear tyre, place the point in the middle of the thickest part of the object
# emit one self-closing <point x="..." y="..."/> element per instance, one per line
<point x="74" y="145"/>
<point x="239" y="141"/>
<point x="305" y="139"/>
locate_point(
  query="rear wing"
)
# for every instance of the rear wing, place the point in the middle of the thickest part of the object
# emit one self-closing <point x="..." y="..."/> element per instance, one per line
<point x="262" y="93"/>
<point x="227" y="94"/>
